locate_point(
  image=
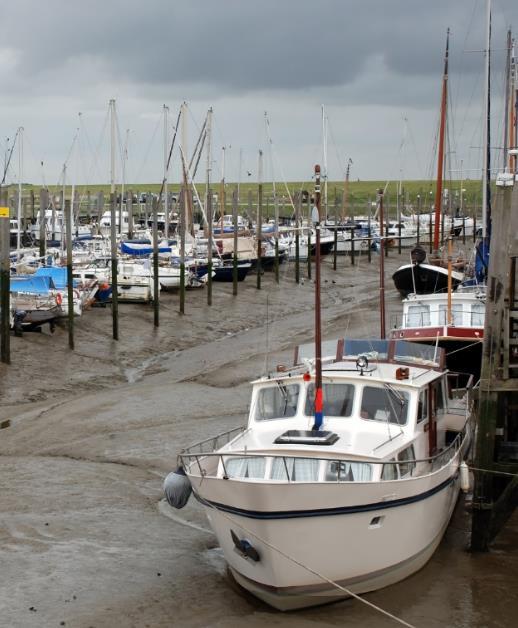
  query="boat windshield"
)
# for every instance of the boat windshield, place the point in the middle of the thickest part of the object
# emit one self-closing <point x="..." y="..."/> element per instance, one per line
<point x="277" y="402"/>
<point x="337" y="400"/>
<point x="385" y="404"/>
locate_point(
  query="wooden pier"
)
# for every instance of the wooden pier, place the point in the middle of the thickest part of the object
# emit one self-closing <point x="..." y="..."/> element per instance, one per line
<point x="496" y="456"/>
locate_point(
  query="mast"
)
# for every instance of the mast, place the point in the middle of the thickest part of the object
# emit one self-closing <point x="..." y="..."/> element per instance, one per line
<point x="324" y="145"/>
<point x="345" y="203"/>
<point x="315" y="217"/>
<point x="112" y="146"/>
<point x="208" y="207"/>
<point x="20" y="177"/>
<point x="165" y="192"/>
<point x="486" y="175"/>
<point x="440" y="157"/>
<point x="507" y="100"/>
<point x="513" y="127"/>
<point x="222" y="188"/>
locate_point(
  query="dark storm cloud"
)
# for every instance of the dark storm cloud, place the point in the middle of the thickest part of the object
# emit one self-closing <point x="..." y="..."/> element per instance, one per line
<point x="236" y="46"/>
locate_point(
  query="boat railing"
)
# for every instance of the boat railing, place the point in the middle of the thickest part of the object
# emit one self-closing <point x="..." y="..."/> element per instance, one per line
<point x="214" y="464"/>
<point x="210" y="445"/>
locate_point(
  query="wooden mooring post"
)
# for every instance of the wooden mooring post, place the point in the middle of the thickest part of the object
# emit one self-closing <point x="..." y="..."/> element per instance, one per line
<point x="235" y="200"/>
<point x="5" y="351"/>
<point x="70" y="276"/>
<point x="156" y="269"/>
<point x="114" y="267"/>
<point x="496" y="455"/>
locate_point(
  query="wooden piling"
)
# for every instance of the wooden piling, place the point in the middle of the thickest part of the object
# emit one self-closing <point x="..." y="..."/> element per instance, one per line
<point x="182" y="226"/>
<point x="309" y="253"/>
<point x="67" y="215"/>
<point x="210" y="244"/>
<point x="234" y="257"/>
<point x="44" y="203"/>
<point x="115" y="293"/>
<point x="298" y="202"/>
<point x="5" y="280"/>
<point x="156" y="277"/>
<point x="369" y="240"/>
<point x="129" y="209"/>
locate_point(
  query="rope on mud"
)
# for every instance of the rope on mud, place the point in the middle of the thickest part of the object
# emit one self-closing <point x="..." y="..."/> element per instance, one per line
<point x="402" y="622"/>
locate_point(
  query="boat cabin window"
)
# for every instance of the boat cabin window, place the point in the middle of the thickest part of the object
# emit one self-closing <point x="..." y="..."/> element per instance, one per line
<point x="295" y="469"/>
<point x="337" y="400"/>
<point x="390" y="471"/>
<point x="456" y="314"/>
<point x="478" y="311"/>
<point x="406" y="457"/>
<point x="337" y="471"/>
<point x="418" y="316"/>
<point x="438" y="395"/>
<point x="384" y="404"/>
<point x="422" y="406"/>
<point x="249" y="467"/>
<point x="277" y="402"/>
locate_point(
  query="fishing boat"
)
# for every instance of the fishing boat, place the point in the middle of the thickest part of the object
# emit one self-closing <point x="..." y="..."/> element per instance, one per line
<point x="371" y="492"/>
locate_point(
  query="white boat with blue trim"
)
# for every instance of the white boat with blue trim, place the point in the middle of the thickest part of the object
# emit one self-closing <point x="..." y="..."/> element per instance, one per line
<point x="308" y="516"/>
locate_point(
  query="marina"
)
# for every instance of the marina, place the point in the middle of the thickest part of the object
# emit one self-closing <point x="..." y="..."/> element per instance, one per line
<point x="258" y="361"/>
<point x="116" y="455"/>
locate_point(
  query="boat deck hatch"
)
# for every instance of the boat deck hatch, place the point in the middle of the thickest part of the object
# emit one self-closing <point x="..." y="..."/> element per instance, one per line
<point x="306" y="437"/>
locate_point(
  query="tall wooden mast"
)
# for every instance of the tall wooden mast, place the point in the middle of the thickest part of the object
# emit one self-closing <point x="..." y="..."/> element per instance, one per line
<point x="440" y="157"/>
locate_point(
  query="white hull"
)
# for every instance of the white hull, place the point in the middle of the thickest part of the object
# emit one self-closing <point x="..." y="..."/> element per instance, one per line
<point x="346" y="548"/>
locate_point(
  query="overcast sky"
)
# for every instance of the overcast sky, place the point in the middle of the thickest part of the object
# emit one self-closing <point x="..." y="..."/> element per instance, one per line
<point x="376" y="65"/>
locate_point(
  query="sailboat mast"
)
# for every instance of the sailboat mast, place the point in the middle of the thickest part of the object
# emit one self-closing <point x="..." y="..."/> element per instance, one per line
<point x="440" y="157"/>
<point x="165" y="192"/>
<point x="324" y="143"/>
<point x="20" y="178"/>
<point x="513" y="140"/>
<point x="208" y="205"/>
<point x="486" y="175"/>
<point x="112" y="146"/>
<point x="507" y="99"/>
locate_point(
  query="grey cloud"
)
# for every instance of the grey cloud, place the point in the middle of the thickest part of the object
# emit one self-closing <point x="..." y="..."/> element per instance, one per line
<point x="240" y="45"/>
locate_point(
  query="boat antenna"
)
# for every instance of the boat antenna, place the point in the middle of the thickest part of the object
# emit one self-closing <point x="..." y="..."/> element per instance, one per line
<point x="315" y="218"/>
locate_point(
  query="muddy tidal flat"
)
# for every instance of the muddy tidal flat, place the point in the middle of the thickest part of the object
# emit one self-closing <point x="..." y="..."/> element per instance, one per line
<point x="85" y="537"/>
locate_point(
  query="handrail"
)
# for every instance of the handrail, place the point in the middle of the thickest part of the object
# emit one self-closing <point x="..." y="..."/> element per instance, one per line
<point x="454" y="445"/>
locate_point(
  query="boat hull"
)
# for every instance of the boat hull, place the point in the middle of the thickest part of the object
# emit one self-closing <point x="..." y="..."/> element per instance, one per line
<point x="423" y="279"/>
<point x="363" y="536"/>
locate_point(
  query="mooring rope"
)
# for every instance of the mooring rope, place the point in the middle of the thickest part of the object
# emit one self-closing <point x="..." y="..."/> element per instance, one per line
<point x="495" y="471"/>
<point x="316" y="573"/>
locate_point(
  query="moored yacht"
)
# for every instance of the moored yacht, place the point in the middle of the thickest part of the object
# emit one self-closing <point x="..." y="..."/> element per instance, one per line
<point x="305" y="516"/>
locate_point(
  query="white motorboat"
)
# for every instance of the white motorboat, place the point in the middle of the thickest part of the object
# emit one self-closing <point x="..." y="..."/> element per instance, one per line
<point x="305" y="516"/>
<point x="54" y="227"/>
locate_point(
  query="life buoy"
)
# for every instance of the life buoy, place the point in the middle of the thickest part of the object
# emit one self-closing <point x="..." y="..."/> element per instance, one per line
<point x="59" y="298"/>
